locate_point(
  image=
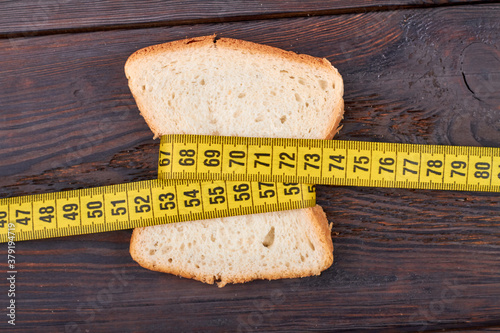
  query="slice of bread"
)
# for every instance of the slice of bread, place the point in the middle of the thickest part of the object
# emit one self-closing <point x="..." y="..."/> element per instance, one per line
<point x="275" y="245"/>
<point x="235" y="88"/>
<point x="231" y="87"/>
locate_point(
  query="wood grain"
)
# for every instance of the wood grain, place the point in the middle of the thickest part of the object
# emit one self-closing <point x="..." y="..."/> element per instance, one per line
<point x="19" y="18"/>
<point x="405" y="260"/>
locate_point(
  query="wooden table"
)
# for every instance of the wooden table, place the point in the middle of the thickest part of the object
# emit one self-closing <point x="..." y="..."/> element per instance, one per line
<point x="415" y="71"/>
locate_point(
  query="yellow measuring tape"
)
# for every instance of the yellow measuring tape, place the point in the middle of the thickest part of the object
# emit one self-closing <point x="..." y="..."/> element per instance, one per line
<point x="330" y="162"/>
<point x="143" y="203"/>
<point x="226" y="176"/>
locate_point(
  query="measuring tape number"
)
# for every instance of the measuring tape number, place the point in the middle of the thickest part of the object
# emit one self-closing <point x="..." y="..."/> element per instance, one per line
<point x="330" y="162"/>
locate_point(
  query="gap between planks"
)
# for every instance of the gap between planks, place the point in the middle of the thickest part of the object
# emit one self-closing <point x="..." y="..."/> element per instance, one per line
<point x="236" y="18"/>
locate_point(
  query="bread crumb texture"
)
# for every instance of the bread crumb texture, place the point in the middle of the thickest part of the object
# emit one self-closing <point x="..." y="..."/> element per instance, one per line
<point x="286" y="244"/>
<point x="234" y="88"/>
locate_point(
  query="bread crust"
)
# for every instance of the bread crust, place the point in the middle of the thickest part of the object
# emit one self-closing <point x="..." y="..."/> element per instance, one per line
<point x="335" y="125"/>
<point x="237" y="44"/>
<point x="319" y="225"/>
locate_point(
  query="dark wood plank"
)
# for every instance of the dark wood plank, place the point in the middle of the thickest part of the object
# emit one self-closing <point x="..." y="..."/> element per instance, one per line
<point x="405" y="260"/>
<point x="45" y="16"/>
